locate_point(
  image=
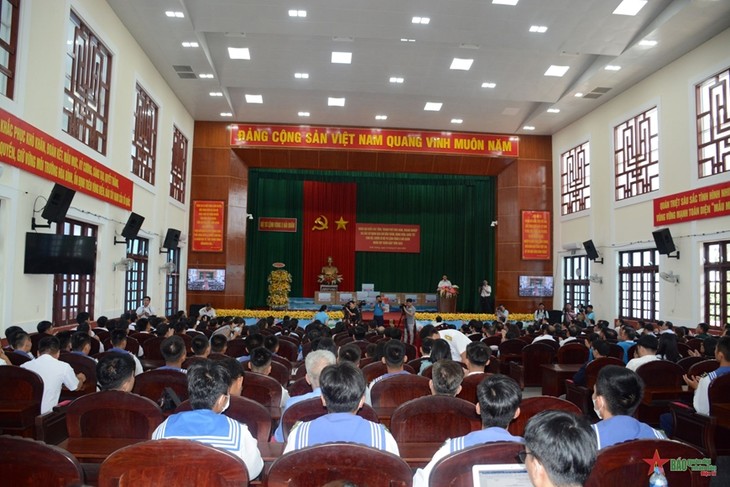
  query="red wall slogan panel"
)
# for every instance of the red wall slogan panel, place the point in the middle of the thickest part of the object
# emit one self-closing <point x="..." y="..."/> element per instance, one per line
<point x="208" y="219"/>
<point x="380" y="237"/>
<point x="536" y="235"/>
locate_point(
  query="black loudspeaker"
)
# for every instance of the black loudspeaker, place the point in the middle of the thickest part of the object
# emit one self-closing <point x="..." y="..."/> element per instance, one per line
<point x="590" y="250"/>
<point x="134" y="223"/>
<point x="171" y="239"/>
<point x="664" y="242"/>
<point x="58" y="203"/>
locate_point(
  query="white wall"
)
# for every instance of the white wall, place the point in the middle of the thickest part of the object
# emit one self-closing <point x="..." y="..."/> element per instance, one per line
<point x="628" y="225"/>
<point x="27" y="299"/>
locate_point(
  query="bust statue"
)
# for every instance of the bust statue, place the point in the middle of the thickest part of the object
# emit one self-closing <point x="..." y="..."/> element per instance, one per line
<point x="329" y="273"/>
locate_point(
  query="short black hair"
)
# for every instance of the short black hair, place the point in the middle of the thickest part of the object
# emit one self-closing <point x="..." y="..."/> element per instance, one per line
<point x="440" y="349"/>
<point x="499" y="397"/>
<point x="114" y="369"/>
<point x="446" y="377"/>
<point x="260" y="357"/>
<point x="161" y="329"/>
<point x="709" y="345"/>
<point x="427" y="331"/>
<point x="622" y="389"/>
<point x="350" y="352"/>
<point x="44" y="326"/>
<point x="18" y="339"/>
<point x="704" y="326"/>
<point x="49" y="344"/>
<point x="234" y="367"/>
<point x="723" y="346"/>
<point x="79" y="341"/>
<point x="426" y="345"/>
<point x="271" y="342"/>
<point x="199" y="344"/>
<point x="343" y="387"/>
<point x="82" y="317"/>
<point x="564" y="444"/>
<point x="602" y="347"/>
<point x="394" y="353"/>
<point x="141" y="324"/>
<point x="218" y="343"/>
<point x="255" y="340"/>
<point x="208" y="380"/>
<point x="117" y="336"/>
<point x="64" y="338"/>
<point x="101" y="321"/>
<point x="325" y="343"/>
<point x="172" y="348"/>
<point x="478" y="353"/>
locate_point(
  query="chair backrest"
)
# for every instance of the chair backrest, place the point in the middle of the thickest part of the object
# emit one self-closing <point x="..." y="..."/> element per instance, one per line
<point x="415" y="364"/>
<point x="85" y="365"/>
<point x="310" y="409"/>
<point x="102" y="333"/>
<point x="683" y="349"/>
<point x="595" y="367"/>
<point x="288" y="349"/>
<point x="152" y="350"/>
<point x="719" y="391"/>
<point x="694" y="343"/>
<point x="433" y="419"/>
<point x="533" y="356"/>
<point x="280" y="372"/>
<point x="172" y="462"/>
<point x="616" y="351"/>
<point x="141" y="337"/>
<point x="132" y="345"/>
<point x="236" y="348"/>
<point x="261" y="388"/>
<point x="374" y="370"/>
<point x="533" y="405"/>
<point x="493" y="340"/>
<point x="17" y="358"/>
<point x="661" y="373"/>
<point x="299" y="387"/>
<point x="256" y="417"/>
<point x="397" y="389"/>
<point x="688" y="362"/>
<point x="626" y="464"/>
<point x="19" y="384"/>
<point x="191" y="360"/>
<point x="320" y="464"/>
<point x="703" y="367"/>
<point x="511" y="347"/>
<point x="26" y="462"/>
<point x="469" y="387"/>
<point x="411" y="351"/>
<point x="152" y="384"/>
<point x="113" y="414"/>
<point x="455" y="469"/>
<point x="572" y="353"/>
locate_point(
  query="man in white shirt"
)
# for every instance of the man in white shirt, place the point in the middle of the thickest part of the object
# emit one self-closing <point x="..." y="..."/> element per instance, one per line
<point x="456" y="339"/>
<point x="207" y="310"/>
<point x="485" y="292"/>
<point x="53" y="372"/>
<point x="146" y="310"/>
<point x="444" y="282"/>
<point x="646" y="348"/>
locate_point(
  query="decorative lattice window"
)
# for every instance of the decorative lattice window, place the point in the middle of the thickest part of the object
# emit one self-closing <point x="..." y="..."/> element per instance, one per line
<point x="576" y="284"/>
<point x="179" y="165"/>
<point x="713" y="124"/>
<point x="144" y="138"/>
<point x="135" y="287"/>
<point x="638" y="275"/>
<point x="73" y="293"/>
<point x="87" y="86"/>
<point x="575" y="179"/>
<point x="9" y="17"/>
<point x="636" y="155"/>
<point x="717" y="283"/>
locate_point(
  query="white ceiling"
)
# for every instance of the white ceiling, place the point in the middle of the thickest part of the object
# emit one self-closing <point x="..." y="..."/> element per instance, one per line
<point x="582" y="34"/>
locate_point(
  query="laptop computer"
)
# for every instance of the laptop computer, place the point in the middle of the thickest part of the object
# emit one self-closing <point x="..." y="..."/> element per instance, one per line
<point x="501" y="475"/>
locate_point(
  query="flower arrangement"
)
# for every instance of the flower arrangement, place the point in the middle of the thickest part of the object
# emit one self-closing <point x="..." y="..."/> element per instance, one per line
<point x="279" y="287"/>
<point x="329" y="279"/>
<point x="448" y="291"/>
<point x="337" y="315"/>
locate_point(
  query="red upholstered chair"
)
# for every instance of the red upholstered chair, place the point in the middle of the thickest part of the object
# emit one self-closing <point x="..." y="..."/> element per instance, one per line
<point x="469" y="387"/>
<point x="288" y="349"/>
<point x="152" y="384"/>
<point x="433" y="419"/>
<point x="510" y="351"/>
<point x="625" y="464"/>
<point x="152" y="354"/>
<point x="113" y="414"/>
<point x="365" y="361"/>
<point x="533" y="405"/>
<point x="573" y="353"/>
<point x="455" y="469"/>
<point x="261" y="388"/>
<point x="172" y="462"/>
<point x="280" y="372"/>
<point x="236" y="348"/>
<point x="529" y="372"/>
<point x="17" y="358"/>
<point x="299" y="387"/>
<point x="300" y="373"/>
<point x="255" y="416"/>
<point x="662" y="384"/>
<point x="688" y="362"/>
<point x="581" y="395"/>
<point x="493" y="340"/>
<point x="395" y="390"/>
<point x="132" y="345"/>
<point x="703" y="367"/>
<point x="683" y="349"/>
<point x="140" y="336"/>
<point x="310" y="409"/>
<point x="80" y="364"/>
<point x="26" y="462"/>
<point x="375" y="369"/>
<point x="20" y="400"/>
<point x="191" y="360"/>
<point x="616" y="351"/>
<point x="103" y="334"/>
<point x="694" y="344"/>
<point x="320" y="464"/>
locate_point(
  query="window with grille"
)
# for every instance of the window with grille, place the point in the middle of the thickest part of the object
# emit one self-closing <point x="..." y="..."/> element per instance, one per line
<point x="636" y="155"/>
<point x="73" y="293"/>
<point x="135" y="287"/>
<point x="87" y="86"/>
<point x="9" y="18"/>
<point x="144" y="138"/>
<point x="172" y="283"/>
<point x="717" y="283"/>
<point x="713" y="129"/>
<point x="576" y="285"/>
<point x="575" y="179"/>
<point x="179" y="165"/>
<point x="638" y="274"/>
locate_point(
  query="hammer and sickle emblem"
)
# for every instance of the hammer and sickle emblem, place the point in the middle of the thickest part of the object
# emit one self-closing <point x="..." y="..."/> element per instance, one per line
<point x="320" y="223"/>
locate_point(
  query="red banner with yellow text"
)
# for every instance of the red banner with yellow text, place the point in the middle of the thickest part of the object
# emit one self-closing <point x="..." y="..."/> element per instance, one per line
<point x="381" y="237"/>
<point x="697" y="204"/>
<point x="208" y="221"/>
<point x="535" y="235"/>
<point x="312" y="137"/>
<point x="24" y="146"/>
<point x="271" y="224"/>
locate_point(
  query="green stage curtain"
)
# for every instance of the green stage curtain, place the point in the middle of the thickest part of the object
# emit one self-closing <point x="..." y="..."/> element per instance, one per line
<point x="454" y="214"/>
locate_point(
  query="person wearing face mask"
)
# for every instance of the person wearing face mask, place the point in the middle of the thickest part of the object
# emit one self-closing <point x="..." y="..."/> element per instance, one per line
<point x="616" y="396"/>
<point x="208" y="389"/>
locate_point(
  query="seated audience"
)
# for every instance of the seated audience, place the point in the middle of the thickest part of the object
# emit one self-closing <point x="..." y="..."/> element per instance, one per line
<point x="174" y="353"/>
<point x="22" y="344"/>
<point x="667" y="347"/>
<point x="81" y="344"/>
<point x="646" y="347"/>
<point x="115" y="372"/>
<point x="545" y="333"/>
<point x="702" y="331"/>
<point x="440" y="350"/>
<point x="200" y="346"/>
<point x="45" y="328"/>
<point x="599" y="349"/>
<point x="260" y="363"/>
<point x="707" y="349"/>
<point x="626" y="340"/>
<point x="456" y="340"/>
<point x="208" y="390"/>
<point x="218" y="344"/>
<point x="560" y="449"/>
<point x="499" y="403"/>
<point x="617" y="394"/>
<point x="394" y="356"/>
<point x="446" y="378"/>
<point x="343" y="389"/>
<point x="349" y="352"/>
<point x="701" y="385"/>
<point x="53" y="372"/>
<point x="477" y="357"/>
<point x="118" y="339"/>
<point x="573" y="332"/>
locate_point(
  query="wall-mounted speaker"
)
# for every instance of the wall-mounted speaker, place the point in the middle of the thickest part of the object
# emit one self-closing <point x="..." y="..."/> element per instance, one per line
<point x="664" y="241"/>
<point x="58" y="203"/>
<point x="590" y="249"/>
<point x="171" y="239"/>
<point x="134" y="223"/>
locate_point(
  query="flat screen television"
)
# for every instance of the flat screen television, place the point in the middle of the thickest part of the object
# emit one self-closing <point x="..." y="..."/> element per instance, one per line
<point x="206" y="279"/>
<point x="48" y="253"/>
<point x="536" y="286"/>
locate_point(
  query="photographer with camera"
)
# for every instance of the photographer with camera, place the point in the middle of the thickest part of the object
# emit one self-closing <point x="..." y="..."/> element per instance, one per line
<point x="352" y="314"/>
<point x="409" y="312"/>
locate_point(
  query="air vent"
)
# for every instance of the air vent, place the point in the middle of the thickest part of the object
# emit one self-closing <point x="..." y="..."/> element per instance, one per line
<point x="187" y="75"/>
<point x="182" y="69"/>
<point x="600" y="90"/>
<point x="592" y="95"/>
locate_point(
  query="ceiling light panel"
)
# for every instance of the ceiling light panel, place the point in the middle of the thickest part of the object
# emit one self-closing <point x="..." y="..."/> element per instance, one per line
<point x="303" y="114"/>
<point x="339" y="57"/>
<point x="421" y="20"/>
<point x="336" y="102"/>
<point x="396" y="79"/>
<point x="254" y="98"/>
<point x="457" y="120"/>
<point x="433" y="106"/>
<point x="239" y="53"/>
<point x="461" y="64"/>
<point x="539" y="29"/>
<point x="216" y="93"/>
<point x="298" y="13"/>
<point x="505" y="2"/>
<point x="175" y="14"/>
<point x="190" y="44"/>
<point x="528" y="127"/>
<point x="381" y="117"/>
<point x="404" y="39"/>
<point x="226" y="114"/>
<point x="558" y="71"/>
<point x="647" y="43"/>
<point x="612" y="67"/>
<point x="553" y="110"/>
<point x="301" y="75"/>
<point x="206" y="76"/>
<point x="629" y="7"/>
<point x="489" y="84"/>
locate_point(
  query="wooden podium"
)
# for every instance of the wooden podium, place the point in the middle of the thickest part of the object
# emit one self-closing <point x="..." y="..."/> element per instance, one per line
<point x="446" y="305"/>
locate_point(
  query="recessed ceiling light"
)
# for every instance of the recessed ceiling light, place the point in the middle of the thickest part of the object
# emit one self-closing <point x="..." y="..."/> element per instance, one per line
<point x="301" y="75"/>
<point x="578" y="95"/>
<point x="489" y="84"/>
<point x="629" y="7"/>
<point x="336" y="102"/>
<point x="297" y="13"/>
<point x="254" y="98"/>
<point x="647" y="43"/>
<point x="612" y="67"/>
<point x="303" y="114"/>
<point x="432" y="106"/>
<point x="421" y="20"/>
<point x="553" y="110"/>
<point x="403" y="39"/>
<point x="190" y="44"/>
<point x="540" y="29"/>
<point x="341" y="57"/>
<point x="215" y="93"/>
<point x="206" y="75"/>
<point x="528" y="127"/>
<point x="505" y="2"/>
<point x="396" y="79"/>
<point x="456" y="120"/>
<point x="461" y="64"/>
<point x="557" y="71"/>
<point x="226" y="114"/>
<point x="381" y="117"/>
<point x="175" y="14"/>
<point x="239" y="53"/>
